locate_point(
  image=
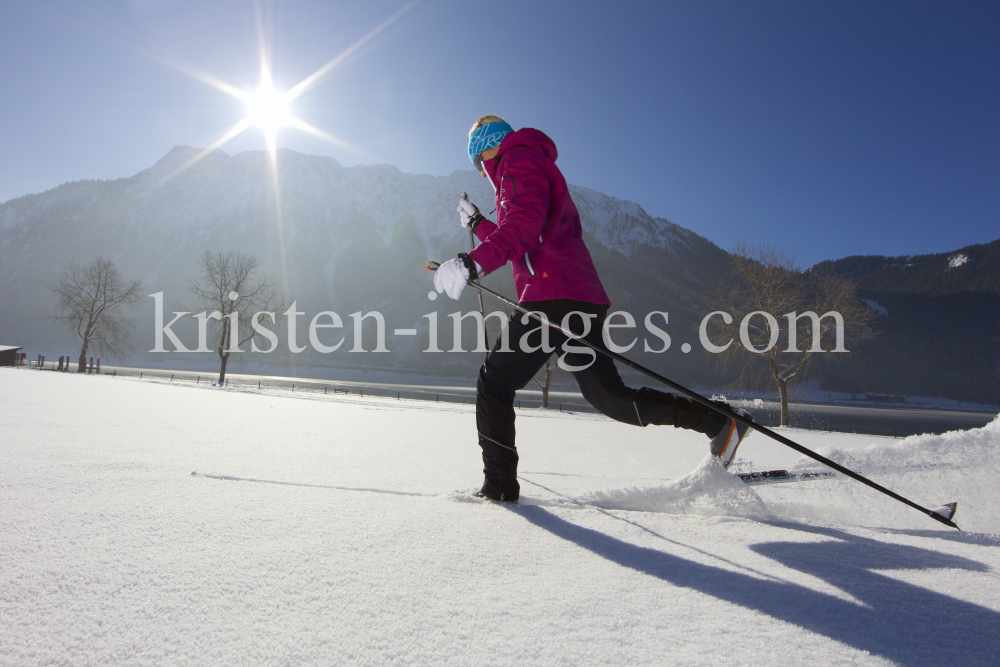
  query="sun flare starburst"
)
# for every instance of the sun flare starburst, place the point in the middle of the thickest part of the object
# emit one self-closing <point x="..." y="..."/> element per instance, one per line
<point x="270" y="110"/>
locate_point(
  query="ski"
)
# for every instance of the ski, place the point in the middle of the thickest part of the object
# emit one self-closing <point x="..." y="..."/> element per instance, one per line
<point x="782" y="476"/>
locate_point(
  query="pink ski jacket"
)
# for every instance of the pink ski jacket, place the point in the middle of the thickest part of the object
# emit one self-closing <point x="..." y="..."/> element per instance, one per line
<point x="538" y="227"/>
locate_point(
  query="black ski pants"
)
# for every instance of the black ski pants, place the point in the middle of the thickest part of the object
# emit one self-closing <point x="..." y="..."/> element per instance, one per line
<point x="504" y="372"/>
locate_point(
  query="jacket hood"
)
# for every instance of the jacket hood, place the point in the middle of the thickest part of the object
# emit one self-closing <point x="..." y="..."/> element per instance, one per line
<point x="531" y="138"/>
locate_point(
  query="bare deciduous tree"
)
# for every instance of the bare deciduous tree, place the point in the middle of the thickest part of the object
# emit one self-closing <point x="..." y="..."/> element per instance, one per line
<point x="767" y="284"/>
<point x="551" y="366"/>
<point x="93" y="302"/>
<point x="232" y="289"/>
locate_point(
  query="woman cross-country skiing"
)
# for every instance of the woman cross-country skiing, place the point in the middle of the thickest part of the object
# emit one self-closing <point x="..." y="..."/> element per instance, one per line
<point x="538" y="231"/>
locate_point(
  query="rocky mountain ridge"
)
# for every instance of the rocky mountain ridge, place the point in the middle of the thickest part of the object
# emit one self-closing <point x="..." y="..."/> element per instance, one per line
<point x="342" y="239"/>
<point x="357" y="239"/>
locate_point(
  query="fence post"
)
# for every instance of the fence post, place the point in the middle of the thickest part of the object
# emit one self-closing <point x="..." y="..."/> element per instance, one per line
<point x="98" y="365"/>
<point x="171" y="377"/>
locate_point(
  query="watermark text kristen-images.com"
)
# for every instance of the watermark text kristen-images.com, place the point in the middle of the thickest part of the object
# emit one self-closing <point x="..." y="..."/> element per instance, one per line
<point x="329" y="320"/>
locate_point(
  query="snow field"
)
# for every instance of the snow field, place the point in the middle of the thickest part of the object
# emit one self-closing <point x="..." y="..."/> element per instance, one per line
<point x="359" y="542"/>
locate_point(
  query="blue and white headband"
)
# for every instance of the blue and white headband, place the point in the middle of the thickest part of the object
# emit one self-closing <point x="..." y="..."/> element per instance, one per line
<point x="484" y="138"/>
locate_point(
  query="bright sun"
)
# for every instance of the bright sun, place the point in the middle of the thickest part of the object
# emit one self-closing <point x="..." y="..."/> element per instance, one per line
<point x="268" y="109"/>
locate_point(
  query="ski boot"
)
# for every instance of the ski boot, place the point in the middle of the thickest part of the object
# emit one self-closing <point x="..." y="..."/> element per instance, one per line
<point x="724" y="445"/>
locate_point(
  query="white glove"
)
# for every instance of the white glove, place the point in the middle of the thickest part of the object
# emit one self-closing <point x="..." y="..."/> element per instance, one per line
<point x="451" y="278"/>
<point x="469" y="213"/>
<point x="465" y="211"/>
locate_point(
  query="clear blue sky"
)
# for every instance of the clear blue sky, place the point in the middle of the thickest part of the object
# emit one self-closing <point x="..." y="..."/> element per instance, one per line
<point x="828" y="128"/>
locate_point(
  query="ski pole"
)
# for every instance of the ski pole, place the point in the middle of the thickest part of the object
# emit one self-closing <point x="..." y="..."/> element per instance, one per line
<point x="943" y="514"/>
<point x="482" y="309"/>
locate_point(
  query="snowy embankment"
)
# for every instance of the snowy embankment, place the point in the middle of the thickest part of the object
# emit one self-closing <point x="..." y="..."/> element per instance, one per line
<point x="342" y="530"/>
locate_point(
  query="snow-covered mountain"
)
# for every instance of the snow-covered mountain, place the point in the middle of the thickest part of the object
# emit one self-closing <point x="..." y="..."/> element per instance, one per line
<point x="939" y="324"/>
<point x="346" y="239"/>
<point x="353" y="239"/>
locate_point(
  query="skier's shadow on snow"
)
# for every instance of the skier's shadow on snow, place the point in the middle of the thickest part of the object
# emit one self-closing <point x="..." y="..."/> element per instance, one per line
<point x="901" y="622"/>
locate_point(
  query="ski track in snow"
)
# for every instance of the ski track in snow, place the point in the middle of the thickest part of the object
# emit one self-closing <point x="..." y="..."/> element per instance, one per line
<point x="144" y="523"/>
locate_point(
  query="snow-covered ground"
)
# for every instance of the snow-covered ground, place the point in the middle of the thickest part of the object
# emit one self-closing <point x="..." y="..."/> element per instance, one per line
<point x="341" y="530"/>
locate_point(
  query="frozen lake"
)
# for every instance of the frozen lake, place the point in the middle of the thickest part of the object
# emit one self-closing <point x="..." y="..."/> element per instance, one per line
<point x="870" y="420"/>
